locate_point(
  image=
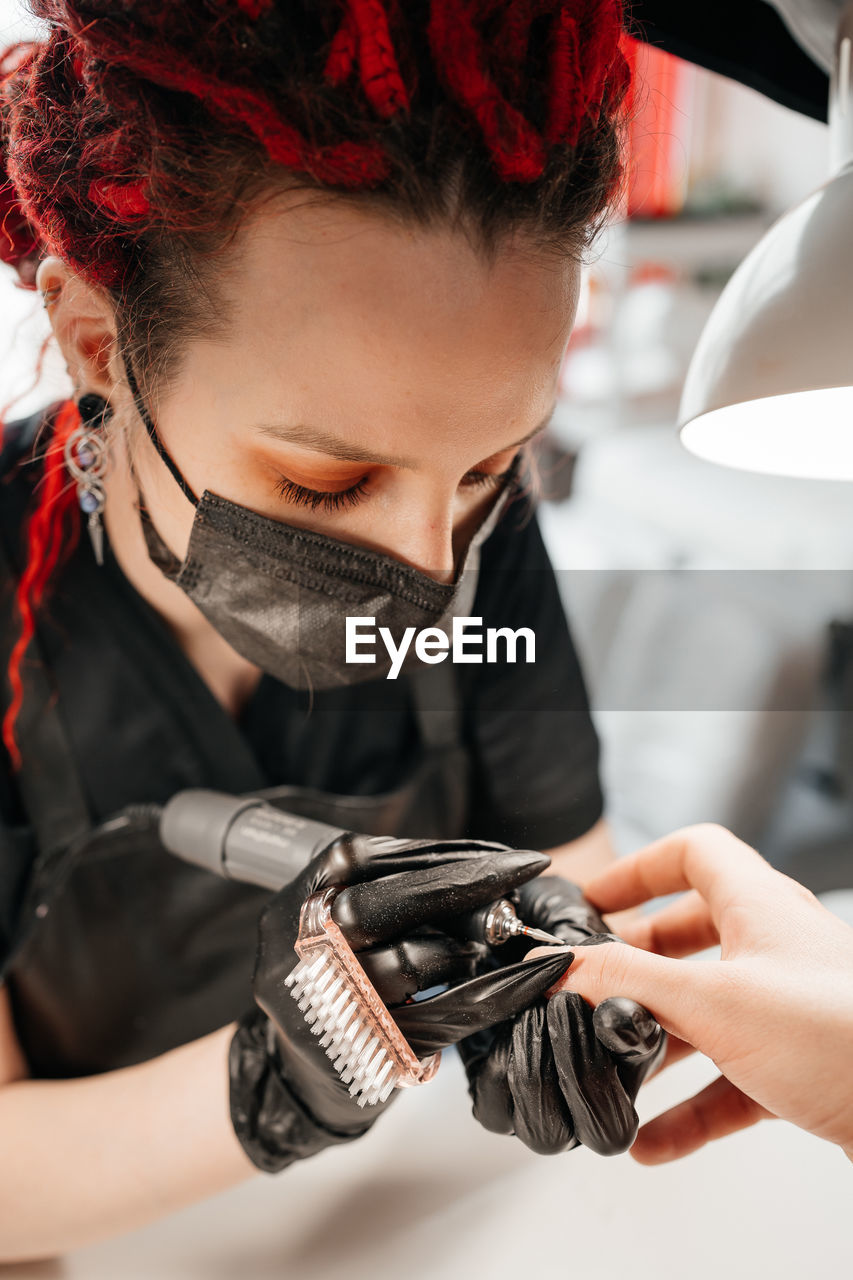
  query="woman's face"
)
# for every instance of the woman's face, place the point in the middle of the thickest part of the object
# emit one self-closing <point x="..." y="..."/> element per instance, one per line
<point x="376" y="382"/>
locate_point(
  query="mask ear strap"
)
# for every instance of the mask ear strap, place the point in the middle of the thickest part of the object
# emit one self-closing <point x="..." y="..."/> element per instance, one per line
<point x="151" y="429"/>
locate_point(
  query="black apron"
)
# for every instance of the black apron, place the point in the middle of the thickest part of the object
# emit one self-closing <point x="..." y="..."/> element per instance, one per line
<point x="129" y="951"/>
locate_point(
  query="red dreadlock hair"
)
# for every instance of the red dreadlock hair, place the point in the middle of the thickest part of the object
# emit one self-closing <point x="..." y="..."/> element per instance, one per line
<point x="136" y="137"/>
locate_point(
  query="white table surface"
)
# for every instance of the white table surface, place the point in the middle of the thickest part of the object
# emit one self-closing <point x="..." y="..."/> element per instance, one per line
<point x="429" y="1195"/>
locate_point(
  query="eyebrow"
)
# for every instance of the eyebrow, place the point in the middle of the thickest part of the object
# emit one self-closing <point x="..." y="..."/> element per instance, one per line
<point x="344" y="451"/>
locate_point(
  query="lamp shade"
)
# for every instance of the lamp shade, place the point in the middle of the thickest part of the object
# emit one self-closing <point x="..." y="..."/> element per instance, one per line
<point x="770" y="385"/>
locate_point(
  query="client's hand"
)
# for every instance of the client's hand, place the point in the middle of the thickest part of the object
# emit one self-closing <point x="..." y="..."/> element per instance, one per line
<point x="775" y="1012"/>
<point x="560" y="1074"/>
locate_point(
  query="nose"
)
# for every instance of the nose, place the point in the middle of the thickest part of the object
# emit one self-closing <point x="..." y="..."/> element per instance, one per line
<point x="428" y="549"/>
<point x="421" y="535"/>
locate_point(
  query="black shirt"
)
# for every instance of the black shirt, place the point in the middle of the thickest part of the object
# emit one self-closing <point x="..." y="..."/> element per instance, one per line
<point x="143" y="724"/>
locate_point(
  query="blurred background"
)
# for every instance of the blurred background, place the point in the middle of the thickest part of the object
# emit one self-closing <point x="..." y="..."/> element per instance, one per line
<point x="709" y="606"/>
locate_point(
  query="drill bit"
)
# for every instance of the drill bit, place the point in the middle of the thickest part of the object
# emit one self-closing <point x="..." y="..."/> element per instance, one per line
<point x="502" y="923"/>
<point x="539" y="935"/>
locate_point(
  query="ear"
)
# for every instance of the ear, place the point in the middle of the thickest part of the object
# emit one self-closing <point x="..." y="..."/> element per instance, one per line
<point x="83" y="320"/>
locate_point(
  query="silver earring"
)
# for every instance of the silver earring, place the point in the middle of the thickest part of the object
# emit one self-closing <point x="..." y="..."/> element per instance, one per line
<point x="87" y="460"/>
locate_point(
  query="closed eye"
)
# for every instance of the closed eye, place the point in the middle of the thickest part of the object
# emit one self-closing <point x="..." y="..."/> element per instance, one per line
<point x="327" y="500"/>
<point x="338" y="499"/>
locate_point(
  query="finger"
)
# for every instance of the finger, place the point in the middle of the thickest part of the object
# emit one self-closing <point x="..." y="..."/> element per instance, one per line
<point x="617" y="921"/>
<point x="626" y="1028"/>
<point x="375" y="911"/>
<point x="541" y="1117"/>
<point x="716" y="1111"/>
<point x="482" y="1002"/>
<point x="414" y="964"/>
<point x="487" y="1072"/>
<point x="633" y="1072"/>
<point x="679" y="929"/>
<point x="672" y="1050"/>
<point x="707" y="858"/>
<point x="603" y="1114"/>
<point x="683" y="995"/>
<point x="634" y="1038"/>
<point x="358" y="858"/>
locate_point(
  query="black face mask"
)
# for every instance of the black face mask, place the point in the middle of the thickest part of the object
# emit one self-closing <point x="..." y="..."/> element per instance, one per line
<point x="280" y="595"/>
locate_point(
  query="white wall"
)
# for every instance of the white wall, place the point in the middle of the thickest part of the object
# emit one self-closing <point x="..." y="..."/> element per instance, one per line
<point x="16" y="21"/>
<point x="755" y="144"/>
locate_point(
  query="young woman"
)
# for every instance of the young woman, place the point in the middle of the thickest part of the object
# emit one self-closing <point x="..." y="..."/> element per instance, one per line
<point x="312" y="267"/>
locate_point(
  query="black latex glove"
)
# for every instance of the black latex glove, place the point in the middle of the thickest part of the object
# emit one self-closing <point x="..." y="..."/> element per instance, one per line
<point x="287" y="1101"/>
<point x="561" y="1074"/>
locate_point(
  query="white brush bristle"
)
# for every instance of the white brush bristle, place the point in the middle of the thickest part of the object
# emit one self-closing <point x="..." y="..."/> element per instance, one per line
<point x="332" y="1011"/>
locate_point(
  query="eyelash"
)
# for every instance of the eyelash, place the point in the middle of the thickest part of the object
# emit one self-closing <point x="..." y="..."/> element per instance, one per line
<point x="297" y="494"/>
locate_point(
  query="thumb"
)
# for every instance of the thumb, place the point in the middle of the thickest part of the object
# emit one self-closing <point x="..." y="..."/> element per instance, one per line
<point x="676" y="992"/>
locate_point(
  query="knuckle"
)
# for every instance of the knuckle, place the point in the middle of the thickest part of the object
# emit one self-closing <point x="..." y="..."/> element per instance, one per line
<point x="339" y="862"/>
<point x="706" y="831"/>
<point x="407" y="964"/>
<point x="616" y="969"/>
<point x="800" y="892"/>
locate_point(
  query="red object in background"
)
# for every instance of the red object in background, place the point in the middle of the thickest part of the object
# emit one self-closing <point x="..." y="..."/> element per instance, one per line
<point x="659" y="131"/>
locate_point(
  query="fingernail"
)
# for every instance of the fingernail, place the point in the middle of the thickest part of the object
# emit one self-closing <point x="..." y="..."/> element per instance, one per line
<point x="544" y="952"/>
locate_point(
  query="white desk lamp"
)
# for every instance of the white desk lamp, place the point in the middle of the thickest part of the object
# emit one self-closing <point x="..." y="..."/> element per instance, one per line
<point x="770" y="385"/>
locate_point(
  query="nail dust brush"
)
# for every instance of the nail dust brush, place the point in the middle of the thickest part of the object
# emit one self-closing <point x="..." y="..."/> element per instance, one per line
<point x="343" y="1008"/>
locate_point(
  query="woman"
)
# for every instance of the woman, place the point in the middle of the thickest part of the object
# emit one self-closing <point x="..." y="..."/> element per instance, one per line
<point x="312" y="268"/>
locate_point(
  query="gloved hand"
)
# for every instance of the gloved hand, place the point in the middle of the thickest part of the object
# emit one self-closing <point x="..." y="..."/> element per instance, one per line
<point x="287" y="1101"/>
<point x="560" y="1073"/>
